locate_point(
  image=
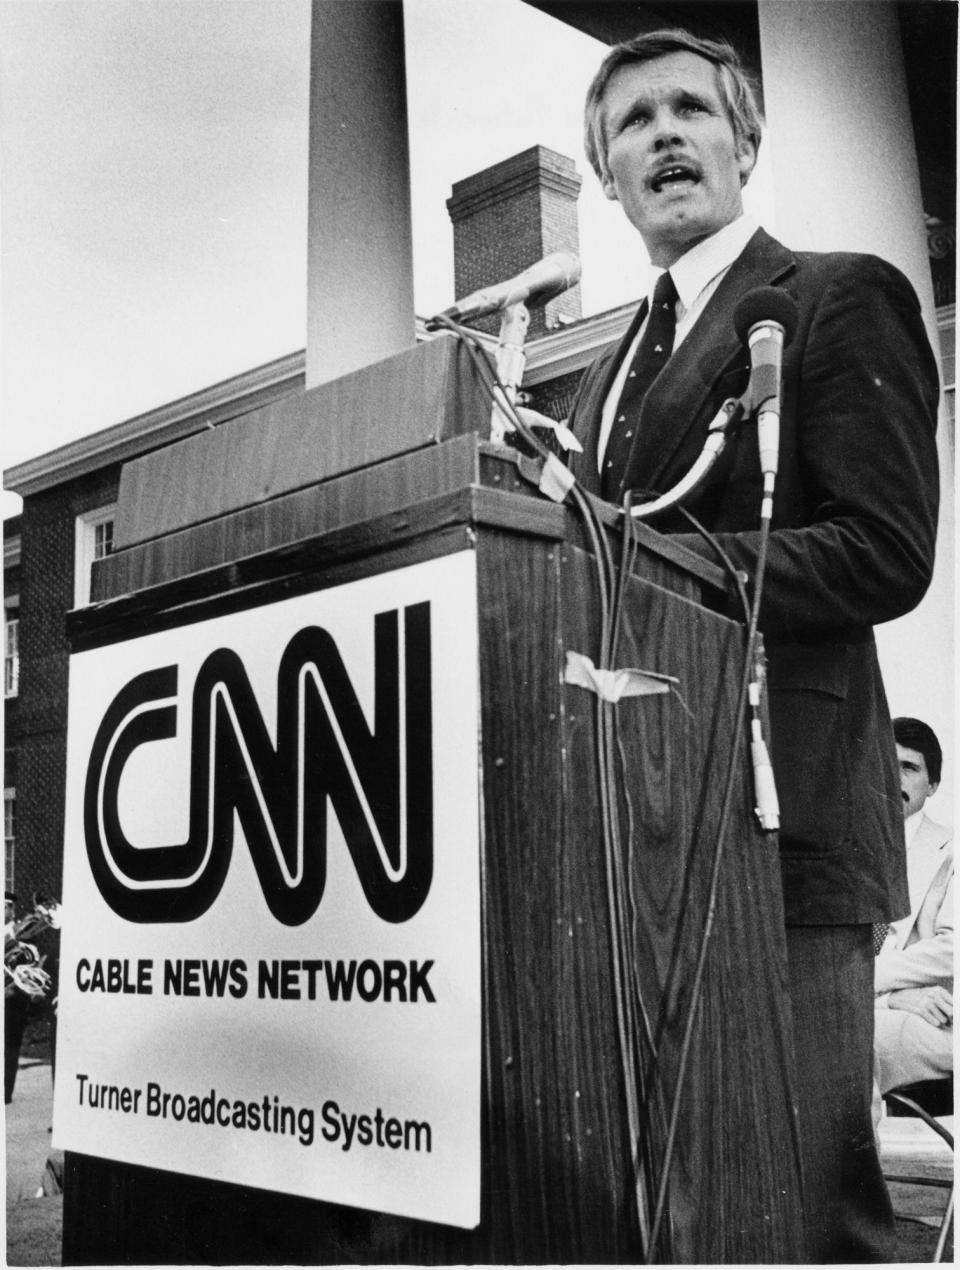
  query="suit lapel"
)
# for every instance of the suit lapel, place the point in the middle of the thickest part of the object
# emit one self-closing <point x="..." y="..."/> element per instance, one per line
<point x="668" y="435"/>
<point x="925" y="858"/>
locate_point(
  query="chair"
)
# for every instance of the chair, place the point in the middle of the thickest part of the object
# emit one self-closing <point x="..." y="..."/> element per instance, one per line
<point x="927" y="1099"/>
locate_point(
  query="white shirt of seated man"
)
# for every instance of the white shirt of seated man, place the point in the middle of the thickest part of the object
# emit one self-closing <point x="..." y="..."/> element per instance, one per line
<point x="914" y="968"/>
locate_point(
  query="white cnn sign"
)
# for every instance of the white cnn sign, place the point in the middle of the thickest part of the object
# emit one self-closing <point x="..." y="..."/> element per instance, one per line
<point x="270" y="963"/>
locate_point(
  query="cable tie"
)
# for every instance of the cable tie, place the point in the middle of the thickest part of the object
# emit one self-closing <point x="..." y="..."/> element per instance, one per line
<point x="550" y="475"/>
<point x="556" y="479"/>
<point x="611" y="685"/>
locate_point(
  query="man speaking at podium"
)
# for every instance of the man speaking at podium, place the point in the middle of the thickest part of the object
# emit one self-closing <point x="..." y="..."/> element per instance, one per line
<point x="672" y="132"/>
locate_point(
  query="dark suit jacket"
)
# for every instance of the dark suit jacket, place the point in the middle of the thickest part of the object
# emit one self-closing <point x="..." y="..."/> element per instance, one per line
<point x="852" y="543"/>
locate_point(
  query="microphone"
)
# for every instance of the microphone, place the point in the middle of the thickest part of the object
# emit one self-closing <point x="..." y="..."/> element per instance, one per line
<point x="549" y="277"/>
<point x="766" y="319"/>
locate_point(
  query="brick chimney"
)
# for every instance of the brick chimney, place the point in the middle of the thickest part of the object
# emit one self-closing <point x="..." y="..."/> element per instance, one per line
<point x="509" y="216"/>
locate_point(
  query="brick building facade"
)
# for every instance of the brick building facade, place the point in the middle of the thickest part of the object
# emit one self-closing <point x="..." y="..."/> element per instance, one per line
<point x="509" y="216"/>
<point x="44" y="583"/>
<point x="69" y="499"/>
<point x="12" y="575"/>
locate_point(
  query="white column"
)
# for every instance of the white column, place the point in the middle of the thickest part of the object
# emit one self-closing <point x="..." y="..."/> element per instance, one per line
<point x="360" y="252"/>
<point x="845" y="177"/>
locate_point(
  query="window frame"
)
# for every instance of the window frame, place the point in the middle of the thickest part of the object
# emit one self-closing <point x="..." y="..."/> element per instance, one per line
<point x="11" y="659"/>
<point x="85" y="545"/>
<point x="9" y="836"/>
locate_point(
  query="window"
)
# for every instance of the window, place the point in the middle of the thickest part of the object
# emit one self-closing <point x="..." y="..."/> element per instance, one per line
<point x="9" y="837"/>
<point x="102" y="539"/>
<point x="11" y="646"/>
<point x="94" y="540"/>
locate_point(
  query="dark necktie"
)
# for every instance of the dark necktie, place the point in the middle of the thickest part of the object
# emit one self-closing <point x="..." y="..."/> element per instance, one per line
<point x="655" y="347"/>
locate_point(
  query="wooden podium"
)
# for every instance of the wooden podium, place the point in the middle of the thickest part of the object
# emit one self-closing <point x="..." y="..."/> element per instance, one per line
<point x="573" y="945"/>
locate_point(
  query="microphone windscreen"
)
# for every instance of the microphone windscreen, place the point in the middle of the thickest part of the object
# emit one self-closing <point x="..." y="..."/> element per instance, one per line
<point x="766" y="304"/>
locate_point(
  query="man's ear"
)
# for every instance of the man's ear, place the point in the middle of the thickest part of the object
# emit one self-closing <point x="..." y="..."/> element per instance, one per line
<point x="746" y="158"/>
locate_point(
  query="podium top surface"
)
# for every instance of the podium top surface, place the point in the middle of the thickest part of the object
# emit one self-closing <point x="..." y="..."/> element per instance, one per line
<point x="364" y="465"/>
<point x="431" y="500"/>
<point x="425" y="395"/>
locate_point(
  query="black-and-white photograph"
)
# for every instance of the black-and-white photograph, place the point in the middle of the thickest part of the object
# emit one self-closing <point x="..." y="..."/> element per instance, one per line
<point x="479" y="593"/>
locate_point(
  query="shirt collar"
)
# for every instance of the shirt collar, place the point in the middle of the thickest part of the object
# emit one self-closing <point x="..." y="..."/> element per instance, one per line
<point x="911" y="825"/>
<point x="702" y="263"/>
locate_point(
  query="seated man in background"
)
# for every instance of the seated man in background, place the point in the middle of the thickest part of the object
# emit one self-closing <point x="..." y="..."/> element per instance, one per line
<point x="914" y="966"/>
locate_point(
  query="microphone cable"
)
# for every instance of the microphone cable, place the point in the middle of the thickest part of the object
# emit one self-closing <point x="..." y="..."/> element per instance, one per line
<point x="614" y="582"/>
<point x="627" y="999"/>
<point x="653" y="1078"/>
<point x="642" y="1079"/>
<point x="751" y="613"/>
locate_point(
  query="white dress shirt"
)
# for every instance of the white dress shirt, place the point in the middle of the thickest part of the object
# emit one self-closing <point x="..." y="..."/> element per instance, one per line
<point x="910" y="826"/>
<point x="696" y="275"/>
<point x="899" y="930"/>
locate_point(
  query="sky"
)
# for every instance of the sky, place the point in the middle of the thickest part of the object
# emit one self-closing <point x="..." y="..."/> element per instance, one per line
<point x="153" y="187"/>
